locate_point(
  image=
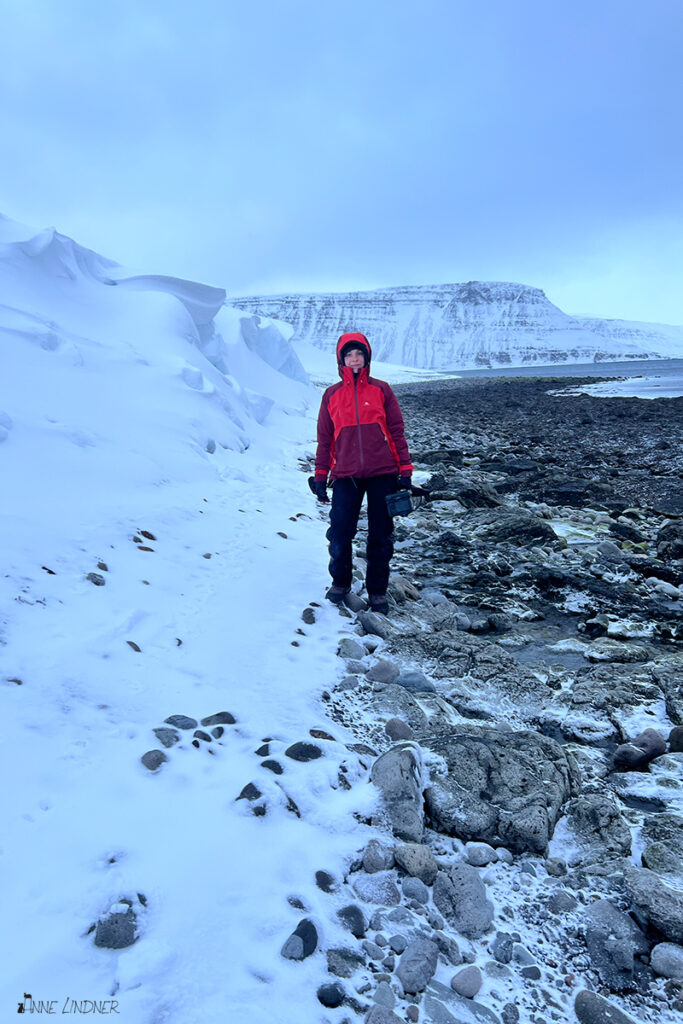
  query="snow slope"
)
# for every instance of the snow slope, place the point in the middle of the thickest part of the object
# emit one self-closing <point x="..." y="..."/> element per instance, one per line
<point x="456" y="326"/>
<point x="151" y="436"/>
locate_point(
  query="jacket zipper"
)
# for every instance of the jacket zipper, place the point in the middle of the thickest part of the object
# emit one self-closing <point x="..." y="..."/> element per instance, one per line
<point x="356" y="378"/>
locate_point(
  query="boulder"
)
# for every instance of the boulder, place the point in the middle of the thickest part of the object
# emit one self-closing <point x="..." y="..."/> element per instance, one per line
<point x="467" y="982"/>
<point x="658" y="903"/>
<point x="613" y="940"/>
<point x="379" y="888"/>
<point x="377" y="857"/>
<point x="502" y="788"/>
<point x="417" y="860"/>
<point x="666" y="960"/>
<point x="663" y="837"/>
<point x="648" y="745"/>
<point x="417" y="965"/>
<point x="398" y="776"/>
<point x="591" y="1008"/>
<point x="670" y="541"/>
<point x="598" y="824"/>
<point x="460" y="895"/>
<point x="511" y="526"/>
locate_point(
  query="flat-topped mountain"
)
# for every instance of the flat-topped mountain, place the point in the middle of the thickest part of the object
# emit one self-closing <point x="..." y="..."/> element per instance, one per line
<point x="455" y="326"/>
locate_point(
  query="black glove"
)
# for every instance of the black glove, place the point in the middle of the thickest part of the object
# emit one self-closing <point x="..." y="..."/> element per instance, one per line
<point x="404" y="483"/>
<point x="320" y="490"/>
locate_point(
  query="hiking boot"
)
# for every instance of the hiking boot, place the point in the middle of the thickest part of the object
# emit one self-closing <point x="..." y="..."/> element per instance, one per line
<point x="336" y="594"/>
<point x="379" y="603"/>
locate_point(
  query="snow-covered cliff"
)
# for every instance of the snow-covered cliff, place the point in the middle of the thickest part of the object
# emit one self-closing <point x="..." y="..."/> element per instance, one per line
<point x="454" y="326"/>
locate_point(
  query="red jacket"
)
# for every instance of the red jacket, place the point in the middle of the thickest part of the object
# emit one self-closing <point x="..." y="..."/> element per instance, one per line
<point x="360" y="426"/>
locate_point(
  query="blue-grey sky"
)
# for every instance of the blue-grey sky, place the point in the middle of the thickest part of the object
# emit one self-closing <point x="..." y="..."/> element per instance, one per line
<point x="270" y="145"/>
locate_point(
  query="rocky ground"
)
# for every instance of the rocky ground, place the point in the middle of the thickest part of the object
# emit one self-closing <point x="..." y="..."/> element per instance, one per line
<point x="520" y="711"/>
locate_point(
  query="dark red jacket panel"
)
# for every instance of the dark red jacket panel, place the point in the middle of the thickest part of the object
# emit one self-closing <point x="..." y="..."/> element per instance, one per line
<point x="360" y="430"/>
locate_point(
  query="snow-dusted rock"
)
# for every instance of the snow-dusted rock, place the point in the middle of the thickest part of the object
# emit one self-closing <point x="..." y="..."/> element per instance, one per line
<point x="398" y="776"/>
<point x="501" y="787"/>
<point x="417" y="860"/>
<point x="467" y="982"/>
<point x="666" y="960"/>
<point x="591" y="1008"/>
<point x="613" y="940"/>
<point x="658" y="902"/>
<point x="417" y="965"/>
<point x="460" y="895"/>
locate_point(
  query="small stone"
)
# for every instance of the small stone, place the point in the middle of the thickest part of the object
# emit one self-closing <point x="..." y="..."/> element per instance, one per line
<point x="303" y="752"/>
<point x="308" y="616"/>
<point x="222" y="718"/>
<point x="417" y="860"/>
<point x="480" y="854"/>
<point x="320" y="734"/>
<point x="417" y="965"/>
<point x="413" y="1014"/>
<point x="532" y="972"/>
<point x="167" y="737"/>
<point x="217" y="732"/>
<point x="273" y="766"/>
<point x="415" y="889"/>
<point x="509" y="1014"/>
<point x="377" y="857"/>
<point x="263" y="750"/>
<point x="153" y="759"/>
<point x="302" y="942"/>
<point x="379" y="888"/>
<point x="349" y="648"/>
<point x="353" y="919"/>
<point x="374" y="951"/>
<point x="415" y="682"/>
<point x="95" y="578"/>
<point x="398" y="943"/>
<point x="396" y="729"/>
<point x="103" y="566"/>
<point x="133" y="646"/>
<point x="501" y="948"/>
<point x="183" y="722"/>
<point x="384" y="671"/>
<point x="201" y="735"/>
<point x="467" y="982"/>
<point x="382" y="1014"/>
<point x="504" y="855"/>
<point x="666" y="959"/>
<point x="331" y="994"/>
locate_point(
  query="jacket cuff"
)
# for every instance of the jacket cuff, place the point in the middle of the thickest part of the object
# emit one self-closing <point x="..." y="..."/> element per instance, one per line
<point x="321" y="474"/>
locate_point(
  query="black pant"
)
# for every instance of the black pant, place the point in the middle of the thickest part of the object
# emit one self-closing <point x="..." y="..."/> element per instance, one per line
<point x="347" y="497"/>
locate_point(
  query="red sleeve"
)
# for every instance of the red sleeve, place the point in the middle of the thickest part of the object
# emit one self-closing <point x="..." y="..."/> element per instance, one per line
<point x="325" y="439"/>
<point x="397" y="430"/>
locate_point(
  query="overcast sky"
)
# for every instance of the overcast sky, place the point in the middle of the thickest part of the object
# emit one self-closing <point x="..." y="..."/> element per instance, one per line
<point x="271" y="145"/>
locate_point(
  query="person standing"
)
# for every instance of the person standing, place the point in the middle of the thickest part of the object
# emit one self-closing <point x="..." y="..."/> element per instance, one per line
<point x="363" y="449"/>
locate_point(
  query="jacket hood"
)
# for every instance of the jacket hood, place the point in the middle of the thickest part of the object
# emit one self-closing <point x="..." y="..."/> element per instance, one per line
<point x="361" y="341"/>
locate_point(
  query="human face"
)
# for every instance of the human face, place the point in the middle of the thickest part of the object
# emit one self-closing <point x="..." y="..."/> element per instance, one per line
<point x="355" y="359"/>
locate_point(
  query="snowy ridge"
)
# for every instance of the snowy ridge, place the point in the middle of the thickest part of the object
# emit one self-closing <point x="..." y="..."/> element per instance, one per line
<point x="456" y="326"/>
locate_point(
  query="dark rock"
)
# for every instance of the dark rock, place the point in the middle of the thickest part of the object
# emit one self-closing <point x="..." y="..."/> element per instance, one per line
<point x="308" y="616"/>
<point x="663" y="836"/>
<point x="118" y="929"/>
<point x="414" y="889"/>
<point x="303" y="752"/>
<point x="250" y="792"/>
<point x="670" y="541"/>
<point x="331" y="994"/>
<point x="644" y="748"/>
<point x="504" y="788"/>
<point x="374" y="624"/>
<point x="561" y="902"/>
<point x="675" y="739"/>
<point x="273" y="766"/>
<point x="96" y="579"/>
<point x="591" y="1008"/>
<point x="531" y="972"/>
<point x="182" y="722"/>
<point x="383" y="671"/>
<point x="398" y="943"/>
<point x="382" y="1015"/>
<point x="201" y="735"/>
<point x="353" y="919"/>
<point x="153" y="759"/>
<point x="518" y="527"/>
<point x="221" y="718"/>
<point x="501" y="948"/>
<point x="325" y="881"/>
<point x="509" y="1014"/>
<point x="167" y="737"/>
<point x="302" y="942"/>
<point x="217" y="732"/>
<point x="349" y="648"/>
<point x="613" y="940"/>
<point x="343" y="962"/>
